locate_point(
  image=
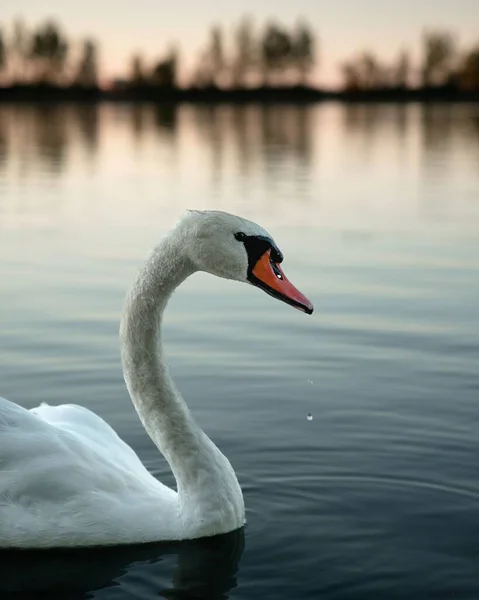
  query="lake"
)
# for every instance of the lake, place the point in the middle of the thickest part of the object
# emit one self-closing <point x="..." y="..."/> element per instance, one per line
<point x="376" y="209"/>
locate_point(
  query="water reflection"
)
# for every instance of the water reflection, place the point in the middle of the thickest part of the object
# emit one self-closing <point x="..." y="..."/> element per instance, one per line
<point x="439" y="125"/>
<point x="138" y="121"/>
<point x="446" y="128"/>
<point x="144" y="118"/>
<point x="87" y="117"/>
<point x="257" y="141"/>
<point x="437" y="135"/>
<point x="3" y="139"/>
<point x="202" y="569"/>
<point x="38" y="138"/>
<point x="254" y="155"/>
<point x="212" y="124"/>
<point x="166" y="118"/>
<point x="368" y="121"/>
<point x="258" y="137"/>
<point x="47" y="134"/>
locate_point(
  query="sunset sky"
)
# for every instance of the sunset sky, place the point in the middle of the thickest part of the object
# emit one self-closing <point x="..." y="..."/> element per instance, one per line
<point x="344" y="26"/>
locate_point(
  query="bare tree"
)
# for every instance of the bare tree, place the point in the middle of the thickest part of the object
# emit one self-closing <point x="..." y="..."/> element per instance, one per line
<point x="216" y="55"/>
<point x="19" y="51"/>
<point x="245" y="58"/>
<point x="439" y="49"/>
<point x="87" y="75"/>
<point x="365" y="73"/>
<point x="402" y="71"/>
<point x="351" y="76"/>
<point x="137" y="70"/>
<point x="202" y="75"/>
<point x="3" y="53"/>
<point x="164" y="73"/>
<point x="371" y="71"/>
<point x="303" y="51"/>
<point x="469" y="70"/>
<point x="276" y="52"/>
<point x="49" y="51"/>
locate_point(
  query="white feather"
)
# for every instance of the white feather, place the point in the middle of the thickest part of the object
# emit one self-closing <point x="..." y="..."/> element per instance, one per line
<point x="67" y="479"/>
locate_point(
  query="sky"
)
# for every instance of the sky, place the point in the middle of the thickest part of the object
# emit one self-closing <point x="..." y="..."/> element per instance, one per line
<point x="344" y="27"/>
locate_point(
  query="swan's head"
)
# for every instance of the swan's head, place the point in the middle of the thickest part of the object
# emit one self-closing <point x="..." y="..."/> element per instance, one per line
<point x="234" y="248"/>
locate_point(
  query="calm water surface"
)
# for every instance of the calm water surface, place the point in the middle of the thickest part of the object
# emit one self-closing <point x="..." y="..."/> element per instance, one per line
<point x="377" y="212"/>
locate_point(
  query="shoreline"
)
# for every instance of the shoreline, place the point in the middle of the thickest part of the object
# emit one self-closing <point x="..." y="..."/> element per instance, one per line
<point x="261" y="95"/>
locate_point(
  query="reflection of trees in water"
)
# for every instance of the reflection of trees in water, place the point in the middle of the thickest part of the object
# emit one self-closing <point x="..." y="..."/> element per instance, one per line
<point x="367" y="124"/>
<point x="436" y="129"/>
<point x="162" y="120"/>
<point x="473" y="125"/>
<point x="244" y="122"/>
<point x="42" y="135"/>
<point x="138" y="121"/>
<point x="3" y="142"/>
<point x="449" y="144"/>
<point x="446" y="130"/>
<point x="362" y="119"/>
<point x="255" y="140"/>
<point x="213" y="123"/>
<point x="446" y="124"/>
<point x="49" y="132"/>
<point x="87" y="119"/>
<point x="166" y="118"/>
<point x="205" y="569"/>
<point x="440" y="126"/>
<point x="287" y="138"/>
<point x="258" y="139"/>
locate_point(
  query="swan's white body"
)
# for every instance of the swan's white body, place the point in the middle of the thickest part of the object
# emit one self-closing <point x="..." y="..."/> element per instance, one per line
<point x="67" y="479"/>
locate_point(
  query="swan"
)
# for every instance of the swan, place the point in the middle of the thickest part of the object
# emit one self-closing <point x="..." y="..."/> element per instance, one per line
<point x="66" y="477"/>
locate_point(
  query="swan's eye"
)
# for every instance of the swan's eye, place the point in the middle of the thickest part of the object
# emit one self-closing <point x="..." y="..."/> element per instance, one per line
<point x="240" y="236"/>
<point x="276" y="271"/>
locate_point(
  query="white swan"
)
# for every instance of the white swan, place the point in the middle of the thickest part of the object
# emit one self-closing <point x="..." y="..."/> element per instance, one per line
<point x="67" y="479"/>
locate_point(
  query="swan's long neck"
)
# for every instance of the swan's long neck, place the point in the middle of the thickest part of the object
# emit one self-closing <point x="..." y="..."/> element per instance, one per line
<point x="160" y="407"/>
<point x="195" y="461"/>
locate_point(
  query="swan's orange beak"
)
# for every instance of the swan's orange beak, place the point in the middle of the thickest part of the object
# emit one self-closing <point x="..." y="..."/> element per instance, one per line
<point x="269" y="276"/>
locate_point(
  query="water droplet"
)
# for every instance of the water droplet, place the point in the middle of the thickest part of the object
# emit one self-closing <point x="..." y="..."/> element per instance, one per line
<point x="309" y="417"/>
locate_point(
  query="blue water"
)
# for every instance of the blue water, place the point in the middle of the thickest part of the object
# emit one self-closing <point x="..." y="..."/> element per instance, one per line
<point x="376" y="209"/>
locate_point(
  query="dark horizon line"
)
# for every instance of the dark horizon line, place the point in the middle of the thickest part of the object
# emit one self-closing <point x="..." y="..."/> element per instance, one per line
<point x="44" y="93"/>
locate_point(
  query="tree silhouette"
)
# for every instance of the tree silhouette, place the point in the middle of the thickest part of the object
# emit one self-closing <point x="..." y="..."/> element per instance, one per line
<point x="49" y="51"/>
<point x="20" y="51"/>
<point x="353" y="79"/>
<point x="137" y="70"/>
<point x="469" y="70"/>
<point x="276" y="52"/>
<point x="245" y="57"/>
<point x="364" y="73"/>
<point x="371" y="70"/>
<point x="217" y="61"/>
<point x="87" y="75"/>
<point x="401" y="71"/>
<point x="211" y="64"/>
<point x="367" y="72"/>
<point x="202" y="75"/>
<point x="350" y="75"/>
<point x="439" y="48"/>
<point x="303" y="50"/>
<point x="164" y="73"/>
<point x="277" y="55"/>
<point x="3" y="53"/>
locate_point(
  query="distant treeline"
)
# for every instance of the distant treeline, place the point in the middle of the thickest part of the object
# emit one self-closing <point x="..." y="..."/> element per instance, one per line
<point x="273" y="60"/>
